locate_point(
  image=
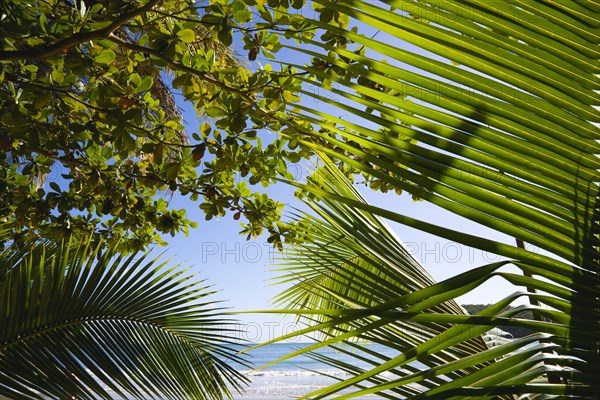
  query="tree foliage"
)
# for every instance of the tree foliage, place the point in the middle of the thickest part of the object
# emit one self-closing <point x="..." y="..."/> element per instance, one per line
<point x="90" y="131"/>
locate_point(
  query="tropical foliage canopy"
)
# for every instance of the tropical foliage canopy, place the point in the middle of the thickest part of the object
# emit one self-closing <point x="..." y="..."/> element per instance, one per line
<point x="485" y="109"/>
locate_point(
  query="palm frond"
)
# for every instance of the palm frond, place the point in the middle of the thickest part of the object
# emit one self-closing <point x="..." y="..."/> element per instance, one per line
<point x="349" y="287"/>
<point x="488" y="110"/>
<point x="88" y="323"/>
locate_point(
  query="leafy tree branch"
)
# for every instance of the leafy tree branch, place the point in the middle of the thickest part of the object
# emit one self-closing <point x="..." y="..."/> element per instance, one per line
<point x="45" y="50"/>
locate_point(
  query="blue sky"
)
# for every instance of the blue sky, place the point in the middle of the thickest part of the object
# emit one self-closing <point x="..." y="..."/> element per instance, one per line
<point x="240" y="268"/>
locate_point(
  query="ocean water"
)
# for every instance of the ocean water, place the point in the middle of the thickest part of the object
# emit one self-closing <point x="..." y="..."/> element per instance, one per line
<point x="297" y="376"/>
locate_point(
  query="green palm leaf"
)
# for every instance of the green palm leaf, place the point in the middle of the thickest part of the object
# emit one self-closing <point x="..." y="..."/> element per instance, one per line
<point x="486" y="109"/>
<point x="355" y="280"/>
<point x="89" y="323"/>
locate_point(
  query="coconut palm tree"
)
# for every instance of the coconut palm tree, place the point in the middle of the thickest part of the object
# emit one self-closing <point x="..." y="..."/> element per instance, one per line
<point x="488" y="110"/>
<point x="88" y="323"/>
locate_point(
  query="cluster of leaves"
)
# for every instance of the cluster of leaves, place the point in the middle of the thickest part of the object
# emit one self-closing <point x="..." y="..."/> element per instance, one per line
<point x="87" y="93"/>
<point x="90" y="132"/>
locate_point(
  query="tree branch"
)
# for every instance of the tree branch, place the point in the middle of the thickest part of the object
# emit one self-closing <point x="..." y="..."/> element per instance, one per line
<point x="45" y="50"/>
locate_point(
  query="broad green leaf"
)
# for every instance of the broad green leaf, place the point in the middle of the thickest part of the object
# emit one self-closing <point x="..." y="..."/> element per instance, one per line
<point x="145" y="84"/>
<point x="105" y="57"/>
<point x="186" y="35"/>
